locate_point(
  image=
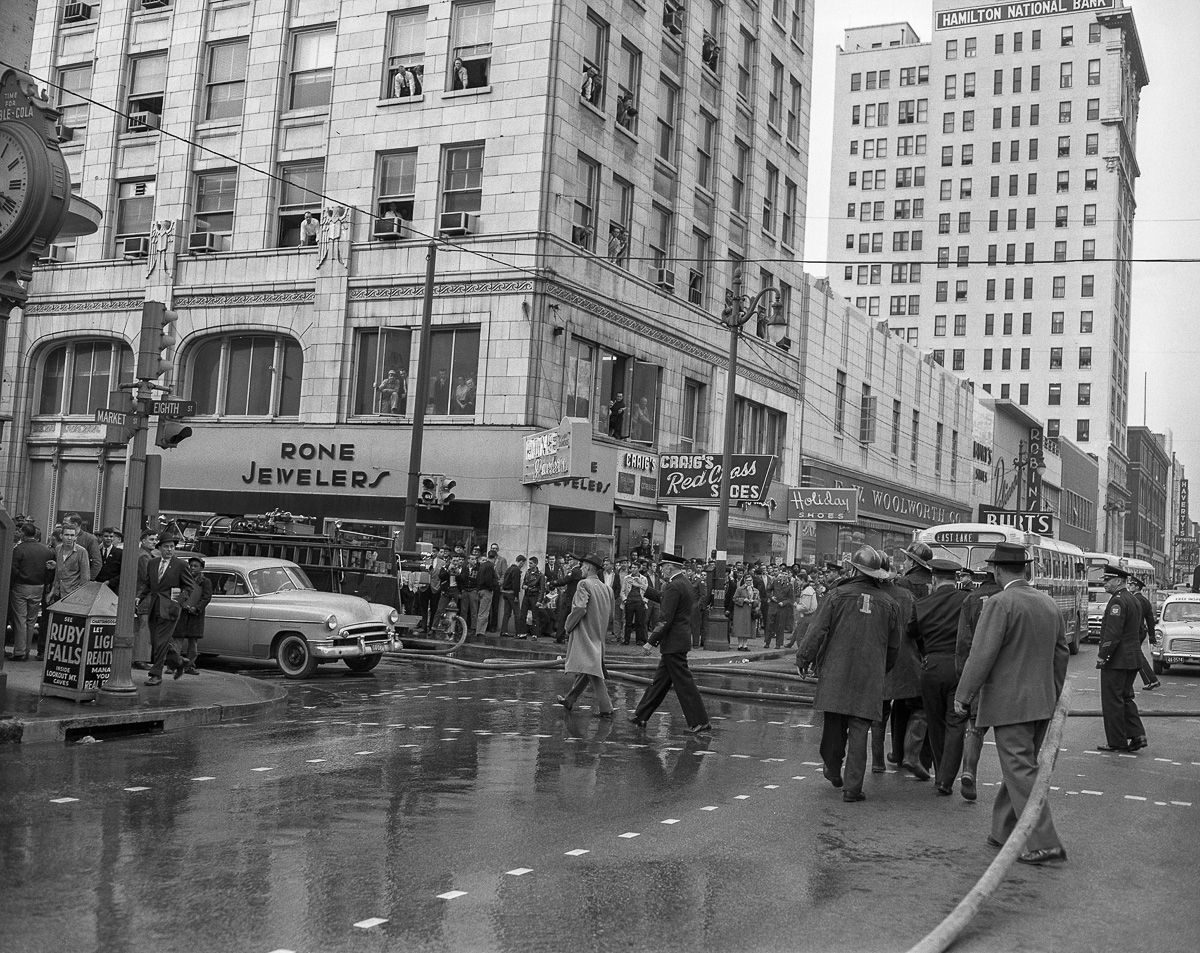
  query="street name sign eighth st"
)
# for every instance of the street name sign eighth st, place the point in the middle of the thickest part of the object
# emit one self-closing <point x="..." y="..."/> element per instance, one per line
<point x="169" y="408"/>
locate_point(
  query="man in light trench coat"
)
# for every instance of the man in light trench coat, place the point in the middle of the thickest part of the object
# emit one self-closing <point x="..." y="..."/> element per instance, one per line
<point x="586" y="626"/>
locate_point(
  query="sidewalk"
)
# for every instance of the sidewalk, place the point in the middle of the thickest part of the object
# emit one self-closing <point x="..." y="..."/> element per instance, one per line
<point x="28" y="718"/>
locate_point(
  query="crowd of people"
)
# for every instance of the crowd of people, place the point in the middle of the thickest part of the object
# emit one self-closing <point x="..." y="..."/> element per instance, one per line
<point x="171" y="596"/>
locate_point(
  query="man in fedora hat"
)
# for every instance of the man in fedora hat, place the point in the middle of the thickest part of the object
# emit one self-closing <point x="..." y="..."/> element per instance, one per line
<point x="164" y="574"/>
<point x="1117" y="659"/>
<point x="586" y="625"/>
<point x="853" y="639"/>
<point x="674" y="632"/>
<point x="1016" y="669"/>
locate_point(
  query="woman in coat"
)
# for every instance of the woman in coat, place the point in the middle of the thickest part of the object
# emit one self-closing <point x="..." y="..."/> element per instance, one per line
<point x="191" y="620"/>
<point x="745" y="611"/>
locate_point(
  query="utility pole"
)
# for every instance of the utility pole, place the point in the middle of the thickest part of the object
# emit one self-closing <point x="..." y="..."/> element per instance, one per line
<point x="420" y="397"/>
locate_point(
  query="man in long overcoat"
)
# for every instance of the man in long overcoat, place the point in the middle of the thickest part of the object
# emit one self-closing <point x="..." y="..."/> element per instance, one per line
<point x="853" y="639"/>
<point x="586" y="625"/>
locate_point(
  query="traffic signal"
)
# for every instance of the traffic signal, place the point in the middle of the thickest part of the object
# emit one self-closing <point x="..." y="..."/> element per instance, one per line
<point x="156" y="347"/>
<point x="429" y="494"/>
<point x="171" y="433"/>
<point x="444" y="486"/>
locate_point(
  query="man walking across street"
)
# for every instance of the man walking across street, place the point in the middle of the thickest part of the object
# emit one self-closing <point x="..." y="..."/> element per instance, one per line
<point x="1145" y="669"/>
<point x="968" y="619"/>
<point x="164" y="574"/>
<point x="1016" y="669"/>
<point x="853" y="640"/>
<point x="934" y="630"/>
<point x="674" y="635"/>
<point x="587" y="625"/>
<point x="29" y="574"/>
<point x="1117" y="659"/>
<point x="72" y="568"/>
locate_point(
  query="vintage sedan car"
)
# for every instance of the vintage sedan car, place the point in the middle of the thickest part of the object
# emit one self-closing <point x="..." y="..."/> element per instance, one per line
<point x="264" y="608"/>
<point x="1177" y="635"/>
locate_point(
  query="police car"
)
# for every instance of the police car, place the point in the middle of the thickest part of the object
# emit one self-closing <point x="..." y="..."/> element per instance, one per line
<point x="1177" y="636"/>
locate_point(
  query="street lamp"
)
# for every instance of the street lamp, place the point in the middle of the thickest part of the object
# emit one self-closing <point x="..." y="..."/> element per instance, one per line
<point x="739" y="311"/>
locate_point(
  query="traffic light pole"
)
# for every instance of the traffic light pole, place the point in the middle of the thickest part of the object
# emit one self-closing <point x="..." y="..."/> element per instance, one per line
<point x="420" y="397"/>
<point x="118" y="689"/>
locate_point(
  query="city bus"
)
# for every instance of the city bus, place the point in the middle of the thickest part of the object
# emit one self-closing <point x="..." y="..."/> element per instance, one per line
<point x="1098" y="598"/>
<point x="1058" y="567"/>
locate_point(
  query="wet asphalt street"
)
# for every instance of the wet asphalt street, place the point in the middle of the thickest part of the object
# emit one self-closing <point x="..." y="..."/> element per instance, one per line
<point x="428" y="807"/>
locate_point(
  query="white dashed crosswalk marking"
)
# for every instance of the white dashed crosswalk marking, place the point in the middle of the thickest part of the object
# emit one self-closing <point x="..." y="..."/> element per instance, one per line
<point x="63" y="800"/>
<point x="670" y="820"/>
<point x="629" y="835"/>
<point x="451" y="894"/>
<point x="370" y="922"/>
<point x="519" y="871"/>
<point x="577" y="852"/>
<point x="134" y="790"/>
<point x="204" y="777"/>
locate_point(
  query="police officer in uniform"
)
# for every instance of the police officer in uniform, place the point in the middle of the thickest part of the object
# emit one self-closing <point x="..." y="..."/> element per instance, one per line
<point x="934" y="630"/>
<point x="968" y="619"/>
<point x="1117" y="659"/>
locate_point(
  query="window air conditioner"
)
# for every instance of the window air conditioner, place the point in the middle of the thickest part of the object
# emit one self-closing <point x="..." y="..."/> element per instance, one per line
<point x="53" y="255"/>
<point x="64" y="132"/>
<point x="454" y="223"/>
<point x="201" y="243"/>
<point x="389" y="229"/>
<point x="143" y="121"/>
<point x="77" y="12"/>
<point x="665" y="279"/>
<point x="154" y="4"/>
<point x="136" y="246"/>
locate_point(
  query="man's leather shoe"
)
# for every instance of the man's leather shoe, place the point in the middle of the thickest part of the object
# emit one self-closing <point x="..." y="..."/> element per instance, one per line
<point x="847" y="796"/>
<point x="1112" y="747"/>
<point x="1153" y="685"/>
<point x="943" y="790"/>
<point x="154" y="680"/>
<point x="701" y="728"/>
<point x="967" y="785"/>
<point x="1044" y="856"/>
<point x="832" y="775"/>
<point x="636" y="721"/>
<point x="992" y="842"/>
<point x="179" y="670"/>
<point x="878" y="769"/>
<point x="915" y="770"/>
<point x="562" y="700"/>
<point x="1138" y="743"/>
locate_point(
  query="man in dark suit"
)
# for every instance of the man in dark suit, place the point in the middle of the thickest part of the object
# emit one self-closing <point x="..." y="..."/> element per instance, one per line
<point x="163" y="575"/>
<point x="1016" y="668"/>
<point x="674" y="633"/>
<point x="968" y="619"/>
<point x="1117" y="659"/>
<point x="110" y="558"/>
<point x="1150" y="620"/>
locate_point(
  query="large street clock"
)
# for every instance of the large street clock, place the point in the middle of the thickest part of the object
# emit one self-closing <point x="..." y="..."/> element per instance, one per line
<point x="35" y="187"/>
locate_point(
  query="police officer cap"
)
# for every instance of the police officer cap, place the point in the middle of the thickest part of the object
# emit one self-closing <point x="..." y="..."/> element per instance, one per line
<point x="833" y="567"/>
<point x="945" y="567"/>
<point x="672" y="558"/>
<point x="1114" y="571"/>
<point x="1135" y="581"/>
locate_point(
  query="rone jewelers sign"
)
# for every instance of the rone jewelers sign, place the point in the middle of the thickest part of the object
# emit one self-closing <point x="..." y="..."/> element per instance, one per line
<point x="552" y="455"/>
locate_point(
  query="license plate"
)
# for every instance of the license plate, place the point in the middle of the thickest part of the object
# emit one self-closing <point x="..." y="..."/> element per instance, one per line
<point x="373" y="648"/>
<point x="1176" y="658"/>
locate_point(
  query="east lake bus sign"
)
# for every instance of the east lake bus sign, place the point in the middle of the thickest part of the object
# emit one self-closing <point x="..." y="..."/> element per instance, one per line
<point x="695" y="478"/>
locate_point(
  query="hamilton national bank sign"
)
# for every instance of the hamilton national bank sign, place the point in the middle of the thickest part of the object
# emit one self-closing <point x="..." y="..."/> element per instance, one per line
<point x="999" y="12"/>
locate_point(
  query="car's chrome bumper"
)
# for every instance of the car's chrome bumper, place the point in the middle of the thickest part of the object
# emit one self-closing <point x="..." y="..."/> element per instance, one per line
<point x="362" y="646"/>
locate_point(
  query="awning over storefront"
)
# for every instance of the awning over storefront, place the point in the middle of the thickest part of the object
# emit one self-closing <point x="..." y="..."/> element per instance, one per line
<point x="640" y="512"/>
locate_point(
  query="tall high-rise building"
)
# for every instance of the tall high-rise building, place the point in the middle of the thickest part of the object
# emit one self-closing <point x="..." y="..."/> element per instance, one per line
<point x="982" y="203"/>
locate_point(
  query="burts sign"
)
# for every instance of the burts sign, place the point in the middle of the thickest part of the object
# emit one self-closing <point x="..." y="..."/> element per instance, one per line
<point x="696" y="478"/>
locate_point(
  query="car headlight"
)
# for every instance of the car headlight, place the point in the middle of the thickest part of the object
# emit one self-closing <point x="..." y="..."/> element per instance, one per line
<point x="331" y="623"/>
<point x="1158" y="636"/>
<point x="393" y="617"/>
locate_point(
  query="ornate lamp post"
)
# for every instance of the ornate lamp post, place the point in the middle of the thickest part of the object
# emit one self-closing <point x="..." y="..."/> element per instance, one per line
<point x="739" y="311"/>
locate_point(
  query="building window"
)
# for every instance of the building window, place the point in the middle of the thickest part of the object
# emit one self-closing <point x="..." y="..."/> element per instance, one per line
<point x="1064" y="111"/>
<point x="462" y="189"/>
<point x="839" y="403"/>
<point x="1092" y="144"/>
<point x="757" y="428"/>
<point x="620" y="229"/>
<point x="470" y="45"/>
<point x="788" y="224"/>
<point x="770" y="198"/>
<point x="1056" y="354"/>
<point x="1083" y="431"/>
<point x="587" y="196"/>
<point x="215" y="194"/>
<point x="1054" y="397"/>
<point x="958" y="359"/>
<point x="241" y="375"/>
<point x="1068" y="36"/>
<point x="300" y="202"/>
<point x="987" y="359"/>
<point x="662" y="227"/>
<point x="595" y="60"/>
<point x="397" y="188"/>
<point x="795" y="105"/>
<point x="147" y="85"/>
<point x="698" y="276"/>
<point x="668" y="113"/>
<point x="454" y="367"/>
<point x="866" y="418"/>
<point x="74" y="82"/>
<point x="705" y="146"/>
<point x="1089" y="215"/>
<point x="1085" y="322"/>
<point x="741" y="169"/>
<point x="775" y="96"/>
<point x="135" y="210"/>
<point x="1053" y="427"/>
<point x="1065" y="71"/>
<point x="629" y="86"/>
<point x="381" y="365"/>
<point x="1087" y="286"/>
<point x="311" y="82"/>
<point x="225" y="83"/>
<point x="76" y="377"/>
<point x="745" y="67"/>
<point x="1056" y="322"/>
<point x="405" y="73"/>
<point x="1085" y="358"/>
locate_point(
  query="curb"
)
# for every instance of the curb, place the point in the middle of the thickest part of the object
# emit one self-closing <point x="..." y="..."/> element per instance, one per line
<point x="272" y="700"/>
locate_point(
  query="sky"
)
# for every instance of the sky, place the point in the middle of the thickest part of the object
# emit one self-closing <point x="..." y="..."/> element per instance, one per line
<point x="1164" y="356"/>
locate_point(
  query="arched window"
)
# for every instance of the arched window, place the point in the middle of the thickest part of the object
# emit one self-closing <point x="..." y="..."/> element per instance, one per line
<point x="77" y="376"/>
<point x="247" y="375"/>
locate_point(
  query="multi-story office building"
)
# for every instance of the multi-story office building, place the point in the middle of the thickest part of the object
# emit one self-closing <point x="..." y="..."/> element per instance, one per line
<point x="982" y="202"/>
<point x="273" y="169"/>
<point x="1148" y="522"/>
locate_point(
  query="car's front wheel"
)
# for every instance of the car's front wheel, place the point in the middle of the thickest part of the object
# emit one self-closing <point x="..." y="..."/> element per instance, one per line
<point x="295" y="656"/>
<point x="363" y="663"/>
